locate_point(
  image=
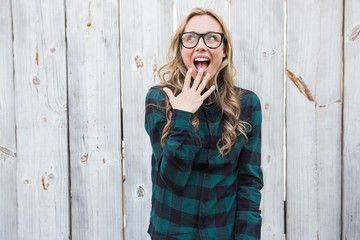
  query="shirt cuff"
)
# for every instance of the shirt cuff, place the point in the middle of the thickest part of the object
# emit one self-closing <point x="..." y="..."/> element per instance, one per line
<point x="181" y="119"/>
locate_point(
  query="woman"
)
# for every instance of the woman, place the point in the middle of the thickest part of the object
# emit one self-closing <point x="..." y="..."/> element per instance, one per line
<point x="206" y="139"/>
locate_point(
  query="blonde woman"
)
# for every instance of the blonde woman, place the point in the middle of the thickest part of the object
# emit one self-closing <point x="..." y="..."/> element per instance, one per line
<point x="206" y="139"/>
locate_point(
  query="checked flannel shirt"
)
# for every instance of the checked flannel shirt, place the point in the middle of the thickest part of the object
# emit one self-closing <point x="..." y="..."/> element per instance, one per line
<point x="197" y="193"/>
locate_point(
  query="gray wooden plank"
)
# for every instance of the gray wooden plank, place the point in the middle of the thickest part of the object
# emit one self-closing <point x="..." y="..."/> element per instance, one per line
<point x="314" y="54"/>
<point x="351" y="126"/>
<point x="143" y="52"/>
<point x="258" y="31"/>
<point x="183" y="7"/>
<point x="94" y="118"/>
<point x="8" y="189"/>
<point x="41" y="119"/>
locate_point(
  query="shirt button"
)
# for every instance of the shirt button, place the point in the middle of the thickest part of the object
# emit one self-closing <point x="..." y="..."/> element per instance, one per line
<point x="207" y="177"/>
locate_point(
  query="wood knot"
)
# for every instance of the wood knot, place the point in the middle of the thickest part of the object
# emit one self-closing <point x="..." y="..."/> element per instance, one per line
<point x="36" y="80"/>
<point x="139" y="63"/>
<point x="140" y="191"/>
<point x="84" y="158"/>
<point x="354" y="33"/>
<point x="301" y="85"/>
<point x="46" y="180"/>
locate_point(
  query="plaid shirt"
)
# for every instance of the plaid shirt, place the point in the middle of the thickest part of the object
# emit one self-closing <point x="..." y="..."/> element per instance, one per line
<point x="197" y="193"/>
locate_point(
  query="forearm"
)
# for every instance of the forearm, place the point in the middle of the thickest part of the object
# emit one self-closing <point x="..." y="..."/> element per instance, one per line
<point x="176" y="158"/>
<point x="250" y="178"/>
<point x="173" y="159"/>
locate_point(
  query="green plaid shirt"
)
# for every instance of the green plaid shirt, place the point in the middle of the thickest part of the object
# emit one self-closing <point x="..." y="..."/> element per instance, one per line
<point x="197" y="193"/>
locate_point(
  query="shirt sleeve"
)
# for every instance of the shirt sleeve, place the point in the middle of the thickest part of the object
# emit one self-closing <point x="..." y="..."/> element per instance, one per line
<point x="250" y="178"/>
<point x="174" y="159"/>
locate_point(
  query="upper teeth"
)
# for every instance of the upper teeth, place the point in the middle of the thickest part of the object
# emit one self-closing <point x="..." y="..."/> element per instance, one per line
<point x="201" y="59"/>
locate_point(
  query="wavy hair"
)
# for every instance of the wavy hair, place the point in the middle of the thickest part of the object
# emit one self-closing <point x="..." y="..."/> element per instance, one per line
<point x="173" y="73"/>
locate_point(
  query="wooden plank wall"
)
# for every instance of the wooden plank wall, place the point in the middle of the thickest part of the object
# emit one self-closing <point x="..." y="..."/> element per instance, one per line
<point x="40" y="94"/>
<point x="258" y="30"/>
<point x="74" y="155"/>
<point x="93" y="50"/>
<point x="147" y="26"/>
<point x="314" y="112"/>
<point x="8" y="159"/>
<point x="351" y="122"/>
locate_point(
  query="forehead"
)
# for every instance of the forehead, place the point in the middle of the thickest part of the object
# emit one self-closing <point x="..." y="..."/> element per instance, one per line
<point x="202" y="24"/>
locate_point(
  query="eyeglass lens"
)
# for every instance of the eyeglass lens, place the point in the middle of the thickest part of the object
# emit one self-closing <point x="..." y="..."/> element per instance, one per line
<point x="211" y="39"/>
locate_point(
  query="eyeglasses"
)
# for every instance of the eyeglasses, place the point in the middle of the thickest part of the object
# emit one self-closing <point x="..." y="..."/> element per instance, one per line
<point x="211" y="39"/>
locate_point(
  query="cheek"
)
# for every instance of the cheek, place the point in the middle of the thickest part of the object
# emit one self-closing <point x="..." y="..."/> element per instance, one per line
<point x="217" y="62"/>
<point x="219" y="58"/>
<point x="186" y="56"/>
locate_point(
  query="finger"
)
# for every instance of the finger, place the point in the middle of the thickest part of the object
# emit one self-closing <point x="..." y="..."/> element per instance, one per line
<point x="197" y="80"/>
<point x="187" y="79"/>
<point x="208" y="92"/>
<point x="204" y="82"/>
<point x="169" y="93"/>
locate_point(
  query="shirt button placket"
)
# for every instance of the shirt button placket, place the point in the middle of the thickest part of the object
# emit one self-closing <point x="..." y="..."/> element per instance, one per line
<point x="207" y="177"/>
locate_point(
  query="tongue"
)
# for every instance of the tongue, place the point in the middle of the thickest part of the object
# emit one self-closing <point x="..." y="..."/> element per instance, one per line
<point x="201" y="65"/>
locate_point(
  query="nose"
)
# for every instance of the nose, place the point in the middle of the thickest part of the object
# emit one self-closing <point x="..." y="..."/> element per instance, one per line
<point x="201" y="43"/>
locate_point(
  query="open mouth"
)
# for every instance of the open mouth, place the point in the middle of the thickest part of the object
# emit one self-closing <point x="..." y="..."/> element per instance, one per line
<point x="201" y="63"/>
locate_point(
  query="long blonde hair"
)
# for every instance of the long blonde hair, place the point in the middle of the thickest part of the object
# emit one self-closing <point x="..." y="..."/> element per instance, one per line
<point x="172" y="75"/>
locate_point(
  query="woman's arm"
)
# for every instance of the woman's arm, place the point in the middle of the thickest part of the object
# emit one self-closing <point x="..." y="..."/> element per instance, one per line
<point x="250" y="178"/>
<point x="174" y="160"/>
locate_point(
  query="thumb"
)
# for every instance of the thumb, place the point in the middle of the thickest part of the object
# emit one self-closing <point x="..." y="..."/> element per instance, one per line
<point x="169" y="93"/>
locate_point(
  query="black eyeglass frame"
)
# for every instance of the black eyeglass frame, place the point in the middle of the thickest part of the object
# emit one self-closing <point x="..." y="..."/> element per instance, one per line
<point x="201" y="35"/>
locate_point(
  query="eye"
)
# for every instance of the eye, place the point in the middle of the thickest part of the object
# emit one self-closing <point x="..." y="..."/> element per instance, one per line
<point x="213" y="37"/>
<point x="189" y="37"/>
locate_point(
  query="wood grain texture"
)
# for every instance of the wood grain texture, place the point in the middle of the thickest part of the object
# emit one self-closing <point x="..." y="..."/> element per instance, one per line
<point x="144" y="51"/>
<point x="41" y="119"/>
<point x="351" y="125"/>
<point x="182" y="8"/>
<point x="94" y="119"/>
<point x="314" y="62"/>
<point x="65" y="64"/>
<point x="258" y="30"/>
<point x="8" y="189"/>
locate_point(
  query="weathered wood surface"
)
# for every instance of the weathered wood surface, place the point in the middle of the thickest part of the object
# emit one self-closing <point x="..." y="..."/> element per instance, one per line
<point x="63" y="66"/>
<point x="314" y="62"/>
<point x="182" y="8"/>
<point x="41" y="120"/>
<point x="94" y="119"/>
<point x="258" y="30"/>
<point x="149" y="24"/>
<point x="351" y="124"/>
<point x="8" y="193"/>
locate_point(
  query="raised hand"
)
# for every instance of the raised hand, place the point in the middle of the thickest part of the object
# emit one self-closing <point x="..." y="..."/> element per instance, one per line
<point x="190" y="98"/>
